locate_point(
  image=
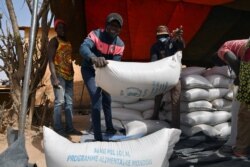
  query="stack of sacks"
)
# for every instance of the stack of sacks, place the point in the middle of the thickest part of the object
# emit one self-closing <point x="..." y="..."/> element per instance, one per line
<point x="188" y="96"/>
<point x="221" y="96"/>
<point x="221" y="80"/>
<point x="135" y="81"/>
<point x="133" y="114"/>
<point x="198" y="113"/>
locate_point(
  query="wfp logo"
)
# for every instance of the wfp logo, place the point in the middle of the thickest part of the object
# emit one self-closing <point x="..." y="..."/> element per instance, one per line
<point x="132" y="92"/>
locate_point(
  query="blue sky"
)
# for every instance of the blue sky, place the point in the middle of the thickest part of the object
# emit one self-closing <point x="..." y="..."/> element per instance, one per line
<point x="22" y="12"/>
<point x="23" y="18"/>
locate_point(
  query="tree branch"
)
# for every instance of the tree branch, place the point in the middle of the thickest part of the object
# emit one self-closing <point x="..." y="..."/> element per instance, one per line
<point x="18" y="46"/>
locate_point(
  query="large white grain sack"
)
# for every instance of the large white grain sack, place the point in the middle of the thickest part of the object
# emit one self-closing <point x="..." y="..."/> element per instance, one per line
<point x="202" y="117"/>
<point x="124" y="114"/>
<point x="222" y="104"/>
<point x="124" y="99"/>
<point x="196" y="118"/>
<point x="223" y="70"/>
<point x="196" y="106"/>
<point x="194" y="94"/>
<point x="224" y="129"/>
<point x="147" y="98"/>
<point x="60" y="152"/>
<point x="142" y="80"/>
<point x="229" y="95"/>
<point x="206" y="129"/>
<point x="115" y="104"/>
<point x="144" y="127"/>
<point x="195" y="81"/>
<point x="220" y="117"/>
<point x="192" y="70"/>
<point x="219" y="81"/>
<point x="141" y="105"/>
<point x="216" y="93"/>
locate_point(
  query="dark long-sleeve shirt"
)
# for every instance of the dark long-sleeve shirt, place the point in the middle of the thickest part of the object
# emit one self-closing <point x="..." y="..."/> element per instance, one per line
<point x="161" y="50"/>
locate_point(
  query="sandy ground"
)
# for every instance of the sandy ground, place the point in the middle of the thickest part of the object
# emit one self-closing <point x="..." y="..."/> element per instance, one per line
<point x="34" y="141"/>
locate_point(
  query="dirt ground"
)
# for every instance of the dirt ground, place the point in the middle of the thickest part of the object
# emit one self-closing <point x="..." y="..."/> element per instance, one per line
<point x="34" y="140"/>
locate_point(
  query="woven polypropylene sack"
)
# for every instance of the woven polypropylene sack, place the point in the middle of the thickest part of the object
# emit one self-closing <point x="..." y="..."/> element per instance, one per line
<point x="143" y="80"/>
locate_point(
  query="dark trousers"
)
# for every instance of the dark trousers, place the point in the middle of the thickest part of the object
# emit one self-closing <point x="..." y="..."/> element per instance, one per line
<point x="99" y="99"/>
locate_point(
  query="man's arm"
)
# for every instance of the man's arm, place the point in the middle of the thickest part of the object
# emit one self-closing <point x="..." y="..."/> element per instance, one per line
<point x="232" y="61"/>
<point x="86" y="53"/>
<point x="177" y="38"/>
<point x="226" y="54"/>
<point x="86" y="49"/>
<point x="53" y="44"/>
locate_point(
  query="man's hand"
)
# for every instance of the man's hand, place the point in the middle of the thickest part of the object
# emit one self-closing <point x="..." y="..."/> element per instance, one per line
<point x="99" y="61"/>
<point x="178" y="32"/>
<point x="56" y="83"/>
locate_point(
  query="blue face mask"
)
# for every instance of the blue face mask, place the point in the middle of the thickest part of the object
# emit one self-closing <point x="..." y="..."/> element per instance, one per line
<point x="163" y="39"/>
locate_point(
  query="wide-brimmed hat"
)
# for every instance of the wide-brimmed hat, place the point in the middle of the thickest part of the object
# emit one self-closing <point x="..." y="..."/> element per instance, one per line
<point x="162" y="30"/>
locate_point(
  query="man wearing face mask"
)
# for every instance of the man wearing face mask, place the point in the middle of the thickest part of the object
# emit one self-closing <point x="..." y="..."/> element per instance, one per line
<point x="166" y="45"/>
<point x="99" y="46"/>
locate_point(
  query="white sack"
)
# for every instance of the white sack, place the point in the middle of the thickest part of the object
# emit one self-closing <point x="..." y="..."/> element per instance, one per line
<point x="196" y="118"/>
<point x="219" y="81"/>
<point x="195" y="81"/>
<point x="222" y="104"/>
<point x="60" y="152"/>
<point x="216" y="93"/>
<point x="194" y="94"/>
<point x="144" y="127"/>
<point x="124" y="99"/>
<point x="142" y="80"/>
<point x="206" y="129"/>
<point x="224" y="130"/>
<point x="141" y="105"/>
<point x="221" y="70"/>
<point x="192" y="70"/>
<point x="220" y="117"/>
<point x="204" y="117"/>
<point x="229" y="95"/>
<point x="196" y="106"/>
<point x="124" y="114"/>
<point x="115" y="104"/>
